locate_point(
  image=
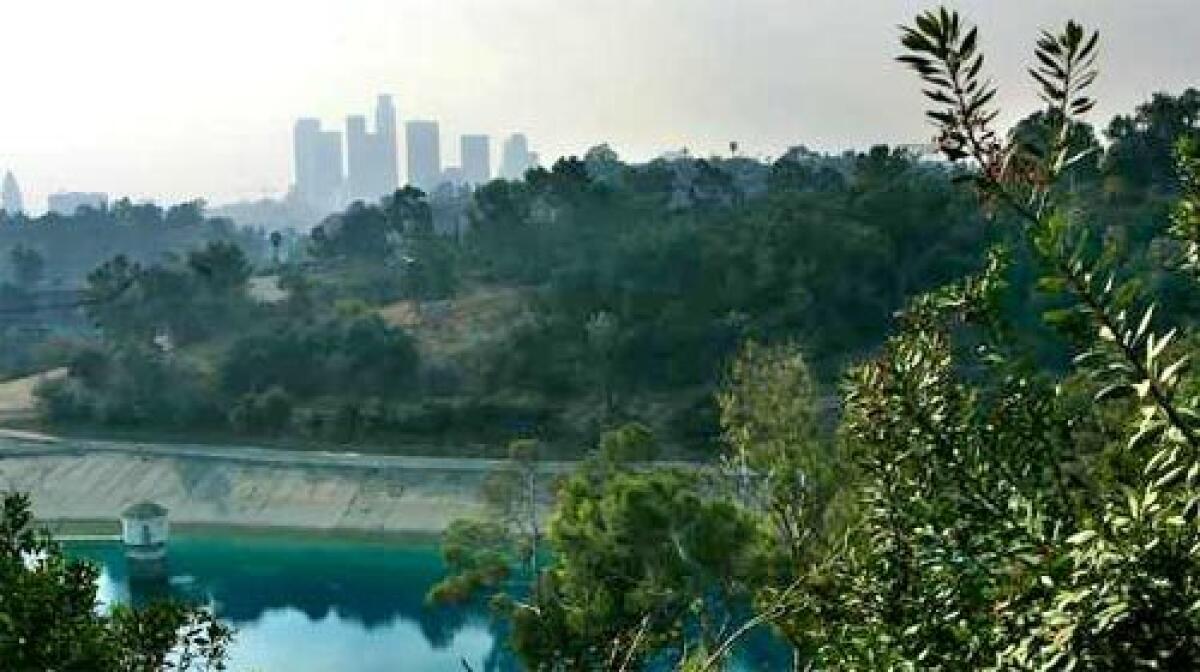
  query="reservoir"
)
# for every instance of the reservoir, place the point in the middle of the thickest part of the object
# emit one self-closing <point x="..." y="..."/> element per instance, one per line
<point x="316" y="604"/>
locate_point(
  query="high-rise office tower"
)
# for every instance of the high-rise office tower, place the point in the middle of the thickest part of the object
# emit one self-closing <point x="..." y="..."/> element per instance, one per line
<point x="372" y="167"/>
<point x="11" y="199"/>
<point x="424" y="155"/>
<point x="386" y="130"/>
<point x="516" y="158"/>
<point x="359" y="159"/>
<point x="319" y="174"/>
<point x="476" y="159"/>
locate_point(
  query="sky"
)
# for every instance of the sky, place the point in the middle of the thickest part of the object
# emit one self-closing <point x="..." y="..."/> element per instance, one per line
<point x="182" y="99"/>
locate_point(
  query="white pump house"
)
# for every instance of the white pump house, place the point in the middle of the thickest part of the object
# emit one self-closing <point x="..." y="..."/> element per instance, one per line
<point x="144" y="535"/>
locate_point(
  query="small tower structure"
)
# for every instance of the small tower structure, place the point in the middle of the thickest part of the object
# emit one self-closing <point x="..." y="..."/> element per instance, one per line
<point x="144" y="536"/>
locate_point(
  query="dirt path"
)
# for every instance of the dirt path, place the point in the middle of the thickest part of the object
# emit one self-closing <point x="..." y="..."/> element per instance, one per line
<point x="16" y="396"/>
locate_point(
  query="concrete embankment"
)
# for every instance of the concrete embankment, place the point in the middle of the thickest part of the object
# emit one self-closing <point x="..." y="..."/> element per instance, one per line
<point x="71" y="480"/>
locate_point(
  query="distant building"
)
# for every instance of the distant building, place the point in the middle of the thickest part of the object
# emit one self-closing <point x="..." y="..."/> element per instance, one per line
<point x="319" y="176"/>
<point x="360" y="158"/>
<point x="475" y="159"/>
<point x="66" y="203"/>
<point x="516" y="159"/>
<point x="11" y="200"/>
<point x="387" y="130"/>
<point x="424" y="155"/>
<point x="371" y="158"/>
<point x="453" y="176"/>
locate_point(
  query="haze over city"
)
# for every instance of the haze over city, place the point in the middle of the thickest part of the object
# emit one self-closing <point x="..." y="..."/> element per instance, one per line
<point x="171" y="101"/>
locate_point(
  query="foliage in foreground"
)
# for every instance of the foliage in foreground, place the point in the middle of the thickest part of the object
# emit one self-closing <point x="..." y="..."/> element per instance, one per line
<point x="49" y="618"/>
<point x="1010" y="518"/>
<point x="987" y="513"/>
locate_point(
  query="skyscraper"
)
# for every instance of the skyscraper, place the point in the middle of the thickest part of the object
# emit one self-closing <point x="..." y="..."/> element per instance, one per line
<point x="359" y="159"/>
<point x="11" y="199"/>
<point x="319" y="173"/>
<point x="386" y="129"/>
<point x="373" y="170"/>
<point x="516" y="159"/>
<point x="476" y="159"/>
<point x="424" y="155"/>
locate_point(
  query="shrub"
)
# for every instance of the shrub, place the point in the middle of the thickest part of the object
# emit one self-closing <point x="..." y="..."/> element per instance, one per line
<point x="266" y="413"/>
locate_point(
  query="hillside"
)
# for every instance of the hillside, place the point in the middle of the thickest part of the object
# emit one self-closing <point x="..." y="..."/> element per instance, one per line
<point x="449" y="328"/>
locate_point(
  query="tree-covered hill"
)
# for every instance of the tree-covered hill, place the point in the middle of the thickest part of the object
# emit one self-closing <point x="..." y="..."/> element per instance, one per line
<point x="587" y="294"/>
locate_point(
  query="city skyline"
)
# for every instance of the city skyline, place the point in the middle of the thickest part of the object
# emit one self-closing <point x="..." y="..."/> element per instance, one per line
<point x="332" y="169"/>
<point x="695" y="74"/>
<point x="372" y="158"/>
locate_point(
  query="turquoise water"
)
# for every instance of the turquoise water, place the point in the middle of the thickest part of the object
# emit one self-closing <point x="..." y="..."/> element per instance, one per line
<point x="316" y="604"/>
<point x="303" y="604"/>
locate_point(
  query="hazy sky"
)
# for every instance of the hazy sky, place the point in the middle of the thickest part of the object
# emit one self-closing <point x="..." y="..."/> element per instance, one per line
<point x="175" y="99"/>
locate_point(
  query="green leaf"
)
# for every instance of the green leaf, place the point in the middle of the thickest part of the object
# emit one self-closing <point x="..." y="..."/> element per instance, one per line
<point x="1116" y="391"/>
<point x="1146" y="435"/>
<point x="1080" y="538"/>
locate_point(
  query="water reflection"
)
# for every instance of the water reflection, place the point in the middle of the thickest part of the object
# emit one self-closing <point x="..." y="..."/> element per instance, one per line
<point x="301" y="604"/>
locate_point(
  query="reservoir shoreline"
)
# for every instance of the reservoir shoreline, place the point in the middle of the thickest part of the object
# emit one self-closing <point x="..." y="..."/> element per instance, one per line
<point x="86" y="484"/>
<point x="108" y="530"/>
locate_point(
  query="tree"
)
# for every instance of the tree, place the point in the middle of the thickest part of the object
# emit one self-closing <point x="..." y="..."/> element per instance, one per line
<point x="1035" y="133"/>
<point x="604" y="165"/>
<point x="221" y="268"/>
<point x="360" y="353"/>
<point x="49" y="618"/>
<point x="1010" y="517"/>
<point x="515" y="497"/>
<point x="266" y="413"/>
<point x="28" y="266"/>
<point x="408" y="212"/>
<point x="276" y="244"/>
<point x="1011" y="520"/>
<point x="482" y="554"/>
<point x="643" y="566"/>
<point x="190" y="213"/>
<point x="782" y="469"/>
<point x="107" y="302"/>
<point x="603" y="334"/>
<point x="363" y="232"/>
<point x="1142" y="143"/>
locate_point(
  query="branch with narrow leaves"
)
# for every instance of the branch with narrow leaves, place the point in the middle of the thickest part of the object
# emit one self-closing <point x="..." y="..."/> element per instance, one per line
<point x="1127" y="355"/>
<point x="1067" y="67"/>
<point x="1185" y="218"/>
<point x="943" y="50"/>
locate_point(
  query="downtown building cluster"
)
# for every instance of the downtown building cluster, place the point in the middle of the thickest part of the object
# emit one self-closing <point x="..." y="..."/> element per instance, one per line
<point x="63" y="203"/>
<point x="332" y="169"/>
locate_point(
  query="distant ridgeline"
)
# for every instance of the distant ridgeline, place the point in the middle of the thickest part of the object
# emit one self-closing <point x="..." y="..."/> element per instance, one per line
<point x="72" y="246"/>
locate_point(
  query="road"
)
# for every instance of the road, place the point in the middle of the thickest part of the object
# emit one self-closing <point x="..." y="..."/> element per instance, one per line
<point x="29" y="444"/>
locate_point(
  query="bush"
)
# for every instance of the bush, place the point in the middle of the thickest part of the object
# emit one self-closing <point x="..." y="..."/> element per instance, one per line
<point x="359" y="355"/>
<point x="133" y="386"/>
<point x="64" y="400"/>
<point x="266" y="413"/>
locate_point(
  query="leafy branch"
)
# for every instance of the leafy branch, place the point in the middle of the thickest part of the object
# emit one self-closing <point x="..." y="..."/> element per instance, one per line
<point x="944" y="52"/>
